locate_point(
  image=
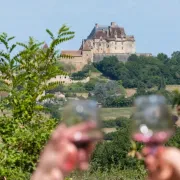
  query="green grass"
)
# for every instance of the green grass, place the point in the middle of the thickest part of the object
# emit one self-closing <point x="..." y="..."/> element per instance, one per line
<point x="113" y="113"/>
<point x="114" y="174"/>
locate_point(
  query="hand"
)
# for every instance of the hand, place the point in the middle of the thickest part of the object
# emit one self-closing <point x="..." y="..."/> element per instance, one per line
<point x="61" y="156"/>
<point x="164" y="164"/>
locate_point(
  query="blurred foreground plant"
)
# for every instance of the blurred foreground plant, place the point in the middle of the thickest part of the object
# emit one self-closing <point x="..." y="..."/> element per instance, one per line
<point x="25" y="77"/>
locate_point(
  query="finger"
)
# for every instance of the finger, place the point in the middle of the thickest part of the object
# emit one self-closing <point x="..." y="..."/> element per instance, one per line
<point x="151" y="163"/>
<point x="139" y="156"/>
<point x="83" y="158"/>
<point x="146" y="151"/>
<point x="55" y="174"/>
<point x="58" y="132"/>
<point x="91" y="148"/>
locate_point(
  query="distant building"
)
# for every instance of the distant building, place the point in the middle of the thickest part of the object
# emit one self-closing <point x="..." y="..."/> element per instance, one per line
<point x="103" y="41"/>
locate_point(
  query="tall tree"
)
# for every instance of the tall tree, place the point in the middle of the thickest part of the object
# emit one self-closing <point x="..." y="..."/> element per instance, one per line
<point x="27" y="74"/>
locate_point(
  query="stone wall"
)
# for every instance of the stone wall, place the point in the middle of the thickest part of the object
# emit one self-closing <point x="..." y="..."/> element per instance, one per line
<point x="119" y="46"/>
<point x="77" y="62"/>
<point x="120" y="57"/>
<point x="68" y="80"/>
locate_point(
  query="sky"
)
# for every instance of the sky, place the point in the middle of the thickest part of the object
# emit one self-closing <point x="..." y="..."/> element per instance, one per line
<point x="154" y="23"/>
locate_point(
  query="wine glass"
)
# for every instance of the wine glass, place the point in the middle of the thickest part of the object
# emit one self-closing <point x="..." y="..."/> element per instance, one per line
<point x="83" y="111"/>
<point x="152" y="120"/>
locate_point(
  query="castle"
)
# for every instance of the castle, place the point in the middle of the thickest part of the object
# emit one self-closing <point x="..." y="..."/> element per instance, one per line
<point x="103" y="41"/>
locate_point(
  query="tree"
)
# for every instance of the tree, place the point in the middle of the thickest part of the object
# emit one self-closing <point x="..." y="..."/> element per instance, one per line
<point x="141" y="89"/>
<point x="133" y="57"/>
<point x="162" y="84"/>
<point x="103" y="92"/>
<point x="163" y="57"/>
<point x="147" y="70"/>
<point x="176" y="100"/>
<point x="26" y="75"/>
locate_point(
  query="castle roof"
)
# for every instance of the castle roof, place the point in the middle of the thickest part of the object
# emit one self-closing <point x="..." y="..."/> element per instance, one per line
<point x="105" y="32"/>
<point x="74" y="53"/>
<point x="86" y="45"/>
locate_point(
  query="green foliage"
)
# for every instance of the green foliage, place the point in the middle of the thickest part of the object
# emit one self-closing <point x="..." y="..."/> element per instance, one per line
<point x="89" y="86"/>
<point x="151" y="71"/>
<point x="176" y="98"/>
<point x="84" y="73"/>
<point x="105" y="91"/>
<point x="120" y="101"/>
<point x="114" y="174"/>
<point x="175" y="140"/>
<point x="25" y="77"/>
<point x="21" y="145"/>
<point x="162" y="84"/>
<point x="74" y="88"/>
<point x="114" y="153"/>
<point x="113" y="123"/>
<point x="54" y="106"/>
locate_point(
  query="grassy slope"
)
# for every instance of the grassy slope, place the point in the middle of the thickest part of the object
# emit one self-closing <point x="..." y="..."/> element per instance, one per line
<point x="113" y="113"/>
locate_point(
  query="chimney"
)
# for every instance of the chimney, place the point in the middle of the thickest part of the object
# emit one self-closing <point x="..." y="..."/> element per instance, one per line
<point x="96" y="25"/>
<point x="82" y="44"/>
<point x="113" y="24"/>
<point x="108" y="31"/>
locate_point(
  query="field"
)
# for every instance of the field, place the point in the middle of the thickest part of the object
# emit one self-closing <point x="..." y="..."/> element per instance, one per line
<point x="131" y="91"/>
<point x="172" y="87"/>
<point x="113" y="113"/>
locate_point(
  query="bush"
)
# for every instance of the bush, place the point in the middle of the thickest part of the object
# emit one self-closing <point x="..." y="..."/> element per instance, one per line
<point x="114" y="153"/>
<point x="152" y="71"/>
<point x="53" y="107"/>
<point x="118" y="122"/>
<point x="119" y="101"/>
<point x="21" y="145"/>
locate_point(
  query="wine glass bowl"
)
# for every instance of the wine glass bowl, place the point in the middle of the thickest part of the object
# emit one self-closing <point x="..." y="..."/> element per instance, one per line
<point x="83" y="112"/>
<point x="152" y="120"/>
